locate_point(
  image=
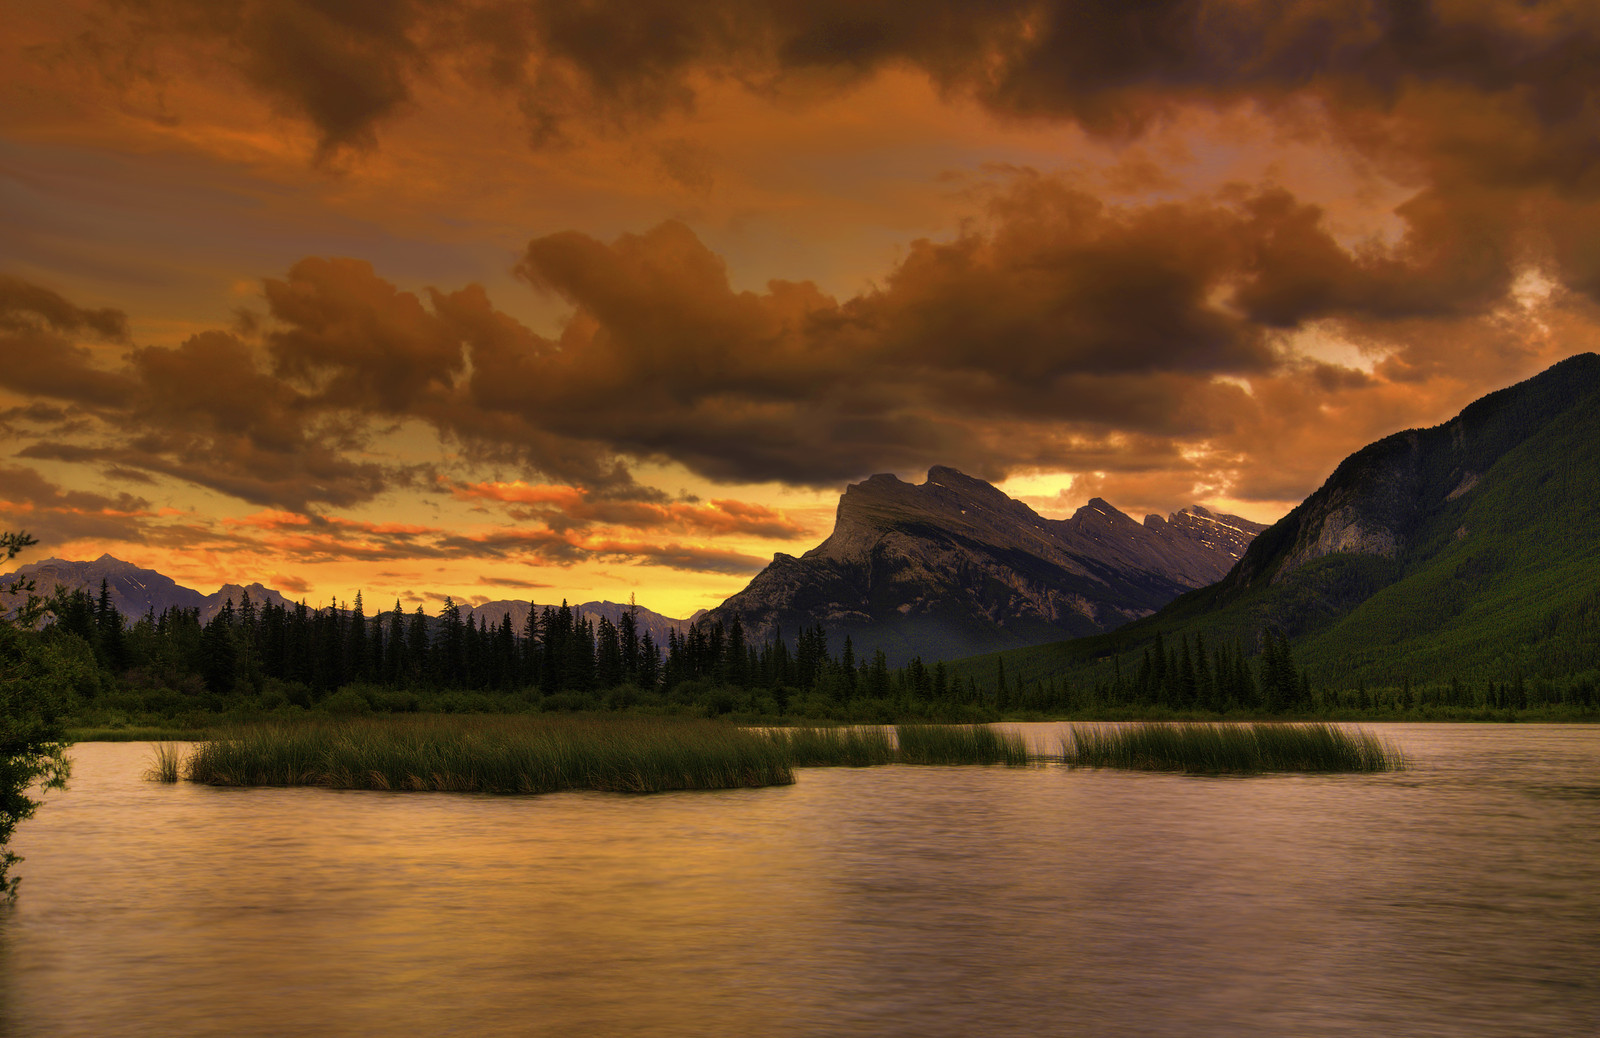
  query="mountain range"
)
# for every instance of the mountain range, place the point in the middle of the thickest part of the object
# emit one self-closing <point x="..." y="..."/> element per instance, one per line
<point x="946" y="568"/>
<point x="953" y="566"/>
<point x="1468" y="550"/>
<point x="136" y="591"/>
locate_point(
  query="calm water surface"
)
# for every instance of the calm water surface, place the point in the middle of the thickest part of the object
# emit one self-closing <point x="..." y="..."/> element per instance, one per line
<point x="1461" y="897"/>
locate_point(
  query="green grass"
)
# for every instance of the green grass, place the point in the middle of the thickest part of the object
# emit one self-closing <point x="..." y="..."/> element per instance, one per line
<point x="542" y="755"/>
<point x="1230" y="748"/>
<point x="500" y="755"/>
<point x="960" y="744"/>
<point x="853" y="746"/>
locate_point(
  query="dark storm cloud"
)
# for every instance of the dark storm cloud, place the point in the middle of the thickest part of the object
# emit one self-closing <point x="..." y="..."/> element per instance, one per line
<point x="346" y="65"/>
<point x="1491" y="110"/>
<point x="1063" y="312"/>
<point x="207" y="414"/>
<point x="379" y="348"/>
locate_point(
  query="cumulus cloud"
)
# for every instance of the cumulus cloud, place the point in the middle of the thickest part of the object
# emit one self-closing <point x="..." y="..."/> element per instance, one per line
<point x="1059" y="333"/>
<point x="1010" y="346"/>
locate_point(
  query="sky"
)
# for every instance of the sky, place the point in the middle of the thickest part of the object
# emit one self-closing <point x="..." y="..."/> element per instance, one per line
<point x="556" y="300"/>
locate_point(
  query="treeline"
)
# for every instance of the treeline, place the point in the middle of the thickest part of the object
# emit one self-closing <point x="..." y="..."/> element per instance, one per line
<point x="320" y="650"/>
<point x="304" y="656"/>
<point x="337" y="658"/>
<point x="1189" y="676"/>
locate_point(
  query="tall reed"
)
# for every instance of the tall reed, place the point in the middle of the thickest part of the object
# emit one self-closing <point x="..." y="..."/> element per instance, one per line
<point x="854" y="747"/>
<point x="1229" y="748"/>
<point x="165" y="762"/>
<point x="960" y="744"/>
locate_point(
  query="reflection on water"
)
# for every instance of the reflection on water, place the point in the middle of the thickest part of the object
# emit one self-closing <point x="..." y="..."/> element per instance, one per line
<point x="1461" y="897"/>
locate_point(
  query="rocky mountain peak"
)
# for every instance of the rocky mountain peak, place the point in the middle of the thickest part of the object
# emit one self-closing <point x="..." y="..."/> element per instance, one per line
<point x="953" y="565"/>
<point x="1100" y="512"/>
<point x="949" y="499"/>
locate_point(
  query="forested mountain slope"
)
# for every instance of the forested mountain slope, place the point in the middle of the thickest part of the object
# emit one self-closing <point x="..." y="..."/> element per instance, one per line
<point x="1467" y="551"/>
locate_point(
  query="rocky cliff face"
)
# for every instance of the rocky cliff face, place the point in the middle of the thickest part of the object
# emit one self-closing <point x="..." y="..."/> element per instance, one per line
<point x="953" y="566"/>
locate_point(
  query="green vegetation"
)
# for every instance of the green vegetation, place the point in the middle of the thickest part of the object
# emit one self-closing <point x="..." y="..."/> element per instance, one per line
<point x="960" y="744"/>
<point x="1229" y="748"/>
<point x="480" y="755"/>
<point x="40" y="681"/>
<point x="643" y="755"/>
<point x="853" y="746"/>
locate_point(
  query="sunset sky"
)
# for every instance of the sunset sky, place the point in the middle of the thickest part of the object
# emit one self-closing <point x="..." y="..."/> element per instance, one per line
<point x="541" y="300"/>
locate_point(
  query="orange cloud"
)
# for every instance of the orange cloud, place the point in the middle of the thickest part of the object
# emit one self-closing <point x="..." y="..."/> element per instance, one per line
<point x="568" y="506"/>
<point x="269" y="520"/>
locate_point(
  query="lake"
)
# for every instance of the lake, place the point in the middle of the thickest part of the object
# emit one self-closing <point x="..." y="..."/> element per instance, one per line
<point x="1459" y="897"/>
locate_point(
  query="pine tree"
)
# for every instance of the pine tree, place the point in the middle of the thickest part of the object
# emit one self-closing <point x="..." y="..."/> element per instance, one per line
<point x="505" y="668"/>
<point x="418" y="648"/>
<point x="649" y="663"/>
<point x="219" y="652"/>
<point x="450" y="650"/>
<point x="396" y="657"/>
<point x="109" y="632"/>
<point x="357" y="647"/>
<point x="530" y="657"/>
<point x="628" y="637"/>
<point x="608" y="654"/>
<point x="847" y="667"/>
<point x="736" y="655"/>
